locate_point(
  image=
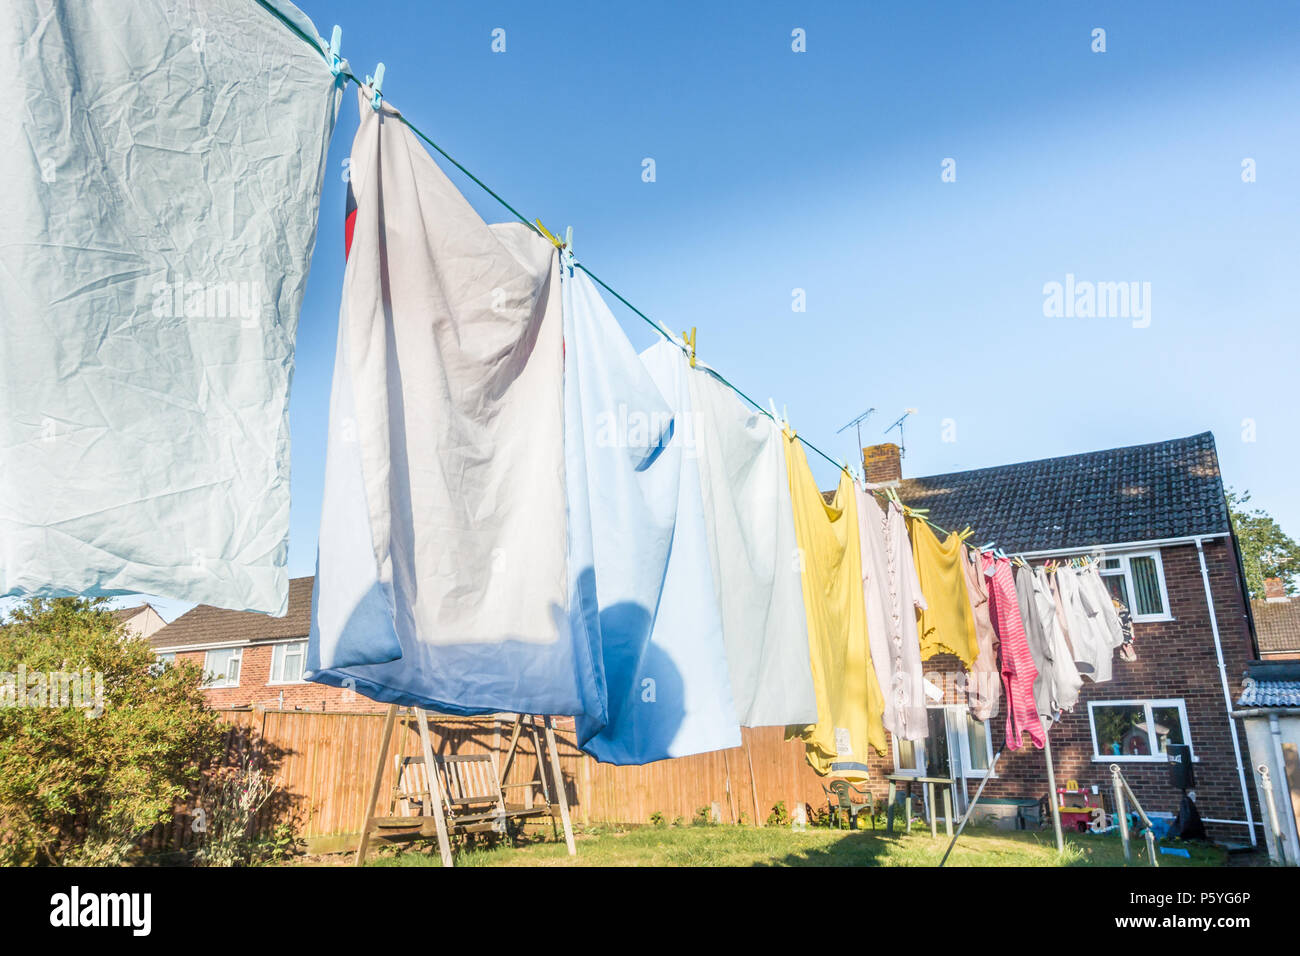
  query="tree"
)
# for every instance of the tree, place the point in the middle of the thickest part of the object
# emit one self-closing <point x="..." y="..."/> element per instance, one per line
<point x="1266" y="550"/>
<point x="97" y="740"/>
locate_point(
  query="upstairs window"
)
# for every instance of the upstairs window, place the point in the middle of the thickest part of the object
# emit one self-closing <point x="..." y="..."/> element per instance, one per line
<point x="222" y="667"/>
<point x="287" y="662"/>
<point x="1139" y="581"/>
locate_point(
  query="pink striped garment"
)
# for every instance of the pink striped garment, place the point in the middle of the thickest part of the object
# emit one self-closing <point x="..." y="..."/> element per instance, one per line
<point x="1017" y="664"/>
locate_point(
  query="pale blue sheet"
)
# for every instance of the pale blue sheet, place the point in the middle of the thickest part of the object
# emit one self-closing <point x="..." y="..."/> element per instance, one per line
<point x="638" y="553"/>
<point x="162" y="172"/>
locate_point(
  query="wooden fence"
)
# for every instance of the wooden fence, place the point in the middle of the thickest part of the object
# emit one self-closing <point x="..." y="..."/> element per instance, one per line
<point x="323" y="763"/>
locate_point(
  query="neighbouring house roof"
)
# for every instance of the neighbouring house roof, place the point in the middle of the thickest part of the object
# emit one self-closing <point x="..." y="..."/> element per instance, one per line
<point x="126" y="613"/>
<point x="215" y="625"/>
<point x="1277" y="625"/>
<point x="1268" y="684"/>
<point x="1167" y="489"/>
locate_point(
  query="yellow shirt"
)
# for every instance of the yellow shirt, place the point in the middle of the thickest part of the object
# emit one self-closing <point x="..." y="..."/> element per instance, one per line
<point x="850" y="705"/>
<point x="947" y="623"/>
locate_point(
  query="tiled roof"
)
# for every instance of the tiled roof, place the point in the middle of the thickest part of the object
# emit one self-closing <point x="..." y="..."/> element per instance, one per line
<point x="1167" y="489"/>
<point x="216" y="625"/>
<point x="126" y="613"/>
<point x="1269" y="693"/>
<point x="1277" y="624"/>
<point x="1270" y="684"/>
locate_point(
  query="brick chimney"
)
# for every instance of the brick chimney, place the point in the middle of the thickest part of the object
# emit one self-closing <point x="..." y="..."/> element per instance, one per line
<point x="882" y="463"/>
<point x="1275" y="590"/>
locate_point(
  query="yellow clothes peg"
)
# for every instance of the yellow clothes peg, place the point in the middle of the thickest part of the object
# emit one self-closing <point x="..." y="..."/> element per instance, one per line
<point x="555" y="240"/>
<point x="690" y="343"/>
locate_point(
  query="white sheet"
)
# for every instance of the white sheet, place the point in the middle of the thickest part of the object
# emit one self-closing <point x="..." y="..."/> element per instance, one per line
<point x="443" y="533"/>
<point x="753" y="554"/>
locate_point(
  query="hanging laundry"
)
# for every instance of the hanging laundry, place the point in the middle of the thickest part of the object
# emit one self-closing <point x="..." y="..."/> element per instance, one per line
<point x="892" y="596"/>
<point x="984" y="685"/>
<point x="1128" y="649"/>
<point x="1090" y="634"/>
<point x="750" y="525"/>
<point x="1017" y="662"/>
<point x="1059" y="607"/>
<point x="1105" y="604"/>
<point x="162" y="178"/>
<point x="1057" y="685"/>
<point x="850" y="706"/>
<point x="947" y="623"/>
<point x="441" y="573"/>
<point x="639" y="552"/>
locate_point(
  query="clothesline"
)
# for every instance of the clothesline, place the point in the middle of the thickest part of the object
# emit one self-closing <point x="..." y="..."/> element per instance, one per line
<point x="343" y="72"/>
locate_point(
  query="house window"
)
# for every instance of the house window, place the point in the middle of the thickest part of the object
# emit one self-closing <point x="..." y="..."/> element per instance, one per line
<point x="978" y="744"/>
<point x="1139" y="581"/>
<point x="222" y="667"/>
<point x="167" y="658"/>
<point x="1137" y="729"/>
<point x="958" y="745"/>
<point x="287" y="662"/>
<point x="909" y="756"/>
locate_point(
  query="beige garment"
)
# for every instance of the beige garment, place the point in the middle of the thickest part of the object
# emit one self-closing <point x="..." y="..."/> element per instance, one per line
<point x="892" y="594"/>
<point x="1060" y="614"/>
<point x="984" y="686"/>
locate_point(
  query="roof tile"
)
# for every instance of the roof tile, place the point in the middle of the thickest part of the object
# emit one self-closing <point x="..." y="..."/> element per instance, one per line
<point x="1167" y="489"/>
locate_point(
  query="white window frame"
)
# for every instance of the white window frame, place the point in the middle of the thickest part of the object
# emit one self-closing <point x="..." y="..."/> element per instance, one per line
<point x="1125" y="569"/>
<point x="964" y="756"/>
<point x="919" y="747"/>
<point x="1149" y="704"/>
<point x="970" y="770"/>
<point x="278" y="651"/>
<point x="166" y="657"/>
<point x="237" y="654"/>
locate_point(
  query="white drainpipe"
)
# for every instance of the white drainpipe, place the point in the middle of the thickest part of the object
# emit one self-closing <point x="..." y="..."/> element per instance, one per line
<point x="1227" y="694"/>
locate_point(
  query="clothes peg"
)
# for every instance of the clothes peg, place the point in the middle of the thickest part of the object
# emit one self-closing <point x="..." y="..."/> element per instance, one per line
<point x="690" y="344"/>
<point x="555" y="240"/>
<point x="376" y="84"/>
<point x="568" y="238"/>
<point x="336" y="44"/>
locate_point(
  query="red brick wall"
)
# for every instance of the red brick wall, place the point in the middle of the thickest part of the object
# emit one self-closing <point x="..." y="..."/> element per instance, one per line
<point x="254" y="691"/>
<point x="1176" y="659"/>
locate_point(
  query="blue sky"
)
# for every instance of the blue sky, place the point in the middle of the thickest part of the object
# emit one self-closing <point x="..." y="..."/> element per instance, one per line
<point x="821" y="171"/>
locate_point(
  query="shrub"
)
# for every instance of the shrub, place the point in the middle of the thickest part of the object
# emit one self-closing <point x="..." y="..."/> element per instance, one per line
<point x="779" y="817"/>
<point x="78" y="785"/>
<point x="230" y="806"/>
<point x="657" y="819"/>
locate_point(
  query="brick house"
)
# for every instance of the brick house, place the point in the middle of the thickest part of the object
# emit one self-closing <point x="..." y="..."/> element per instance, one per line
<point x="253" y="660"/>
<point x="1156" y="517"/>
<point x="1277" y="622"/>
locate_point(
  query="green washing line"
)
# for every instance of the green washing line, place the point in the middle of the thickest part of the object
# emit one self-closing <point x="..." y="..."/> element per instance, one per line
<point x="316" y="44"/>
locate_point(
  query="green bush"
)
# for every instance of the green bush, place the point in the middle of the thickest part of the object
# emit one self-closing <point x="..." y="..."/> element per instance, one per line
<point x="779" y="817"/>
<point x="79" y="785"/>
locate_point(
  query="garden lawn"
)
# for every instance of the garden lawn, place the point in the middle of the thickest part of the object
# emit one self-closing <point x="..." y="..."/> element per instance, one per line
<point x="722" y="845"/>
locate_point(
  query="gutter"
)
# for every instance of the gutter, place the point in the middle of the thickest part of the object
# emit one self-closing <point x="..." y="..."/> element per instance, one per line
<point x="222" y="645"/>
<point x="1125" y="546"/>
<point x="1227" y="694"/>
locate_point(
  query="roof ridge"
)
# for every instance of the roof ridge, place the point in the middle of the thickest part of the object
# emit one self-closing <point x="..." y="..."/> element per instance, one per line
<point x="1080" y="454"/>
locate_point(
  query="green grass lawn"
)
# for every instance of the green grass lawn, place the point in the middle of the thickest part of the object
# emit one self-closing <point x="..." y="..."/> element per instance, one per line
<point x="772" y="846"/>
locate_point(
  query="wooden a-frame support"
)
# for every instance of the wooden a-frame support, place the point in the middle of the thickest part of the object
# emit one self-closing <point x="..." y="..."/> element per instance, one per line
<point x="434" y="802"/>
